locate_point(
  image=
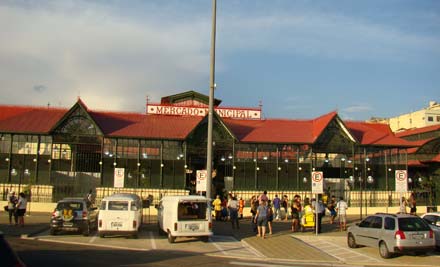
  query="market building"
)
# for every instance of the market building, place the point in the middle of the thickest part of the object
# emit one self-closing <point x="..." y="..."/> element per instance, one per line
<point x="66" y="152"/>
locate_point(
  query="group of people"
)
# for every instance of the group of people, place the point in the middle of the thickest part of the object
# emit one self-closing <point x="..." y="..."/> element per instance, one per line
<point x="264" y="211"/>
<point x="16" y="208"/>
<point x="410" y="202"/>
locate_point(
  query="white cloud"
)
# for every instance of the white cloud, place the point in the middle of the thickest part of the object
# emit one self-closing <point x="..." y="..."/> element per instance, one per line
<point x="102" y="58"/>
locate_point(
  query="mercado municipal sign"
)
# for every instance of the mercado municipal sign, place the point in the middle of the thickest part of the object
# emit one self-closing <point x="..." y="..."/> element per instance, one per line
<point x="237" y="113"/>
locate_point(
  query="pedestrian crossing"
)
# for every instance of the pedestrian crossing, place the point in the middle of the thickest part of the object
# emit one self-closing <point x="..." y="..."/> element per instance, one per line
<point x="335" y="246"/>
<point x="231" y="247"/>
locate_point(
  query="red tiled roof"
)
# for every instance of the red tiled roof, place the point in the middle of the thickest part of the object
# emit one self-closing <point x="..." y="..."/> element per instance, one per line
<point x="271" y="130"/>
<point x="145" y="126"/>
<point x="416" y="163"/>
<point x="29" y="119"/>
<point x="119" y="124"/>
<point x="320" y="123"/>
<point x="419" y="130"/>
<point x="375" y="134"/>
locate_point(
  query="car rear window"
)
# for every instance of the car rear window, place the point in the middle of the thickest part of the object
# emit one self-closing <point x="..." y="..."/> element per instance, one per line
<point x="192" y="210"/>
<point x="118" y="205"/>
<point x="413" y="224"/>
<point x="70" y="205"/>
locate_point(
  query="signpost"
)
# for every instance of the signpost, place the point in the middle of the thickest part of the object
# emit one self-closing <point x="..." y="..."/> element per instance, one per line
<point x="317" y="188"/>
<point x="119" y="177"/>
<point x="401" y="183"/>
<point x="201" y="184"/>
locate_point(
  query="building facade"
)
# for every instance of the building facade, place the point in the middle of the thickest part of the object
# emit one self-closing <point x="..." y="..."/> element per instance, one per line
<point x="67" y="152"/>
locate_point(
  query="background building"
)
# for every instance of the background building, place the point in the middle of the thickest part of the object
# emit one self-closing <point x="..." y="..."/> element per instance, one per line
<point x="66" y="152"/>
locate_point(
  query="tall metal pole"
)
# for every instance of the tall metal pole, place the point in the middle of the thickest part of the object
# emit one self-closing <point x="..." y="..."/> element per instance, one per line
<point x="211" y="102"/>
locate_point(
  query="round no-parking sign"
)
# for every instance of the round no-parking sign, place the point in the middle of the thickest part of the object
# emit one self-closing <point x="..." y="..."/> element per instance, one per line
<point x="401" y="181"/>
<point x="317" y="182"/>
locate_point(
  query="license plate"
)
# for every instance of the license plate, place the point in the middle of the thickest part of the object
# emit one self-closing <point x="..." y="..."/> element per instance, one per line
<point x="192" y="226"/>
<point x="116" y="224"/>
<point x="68" y="224"/>
<point x="417" y="236"/>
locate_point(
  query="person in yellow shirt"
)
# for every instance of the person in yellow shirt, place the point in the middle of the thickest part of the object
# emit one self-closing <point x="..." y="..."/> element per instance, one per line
<point x="217" y="203"/>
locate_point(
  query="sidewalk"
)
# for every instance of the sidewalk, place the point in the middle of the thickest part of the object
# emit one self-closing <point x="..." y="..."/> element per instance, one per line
<point x="34" y="223"/>
<point x="281" y="244"/>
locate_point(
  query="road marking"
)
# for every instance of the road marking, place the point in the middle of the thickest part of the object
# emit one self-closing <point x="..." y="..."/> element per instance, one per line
<point x="329" y="246"/>
<point x="231" y="247"/>
<point x="93" y="238"/>
<point x="152" y="240"/>
<point x="84" y="244"/>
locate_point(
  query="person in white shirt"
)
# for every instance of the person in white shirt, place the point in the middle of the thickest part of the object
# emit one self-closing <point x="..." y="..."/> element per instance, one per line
<point x="21" y="208"/>
<point x="233" y="212"/>
<point x="341" y="208"/>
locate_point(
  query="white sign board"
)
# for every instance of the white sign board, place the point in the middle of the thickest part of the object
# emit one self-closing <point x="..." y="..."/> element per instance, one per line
<point x="175" y="110"/>
<point x="401" y="181"/>
<point x="317" y="182"/>
<point x="202" y="176"/>
<point x="119" y="177"/>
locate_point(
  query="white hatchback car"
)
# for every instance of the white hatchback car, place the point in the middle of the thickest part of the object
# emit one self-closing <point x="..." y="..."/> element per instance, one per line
<point x="392" y="233"/>
<point x="433" y="219"/>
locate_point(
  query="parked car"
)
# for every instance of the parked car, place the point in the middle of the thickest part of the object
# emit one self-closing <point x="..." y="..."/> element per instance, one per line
<point x="73" y="214"/>
<point x="8" y="255"/>
<point x="120" y="214"/>
<point x="184" y="216"/>
<point x="433" y="219"/>
<point x="392" y="233"/>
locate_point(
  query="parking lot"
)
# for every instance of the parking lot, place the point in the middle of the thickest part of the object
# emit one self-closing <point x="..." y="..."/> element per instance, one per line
<point x="283" y="246"/>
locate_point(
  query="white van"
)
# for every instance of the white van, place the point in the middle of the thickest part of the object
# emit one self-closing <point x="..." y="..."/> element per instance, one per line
<point x="184" y="216"/>
<point x="120" y="214"/>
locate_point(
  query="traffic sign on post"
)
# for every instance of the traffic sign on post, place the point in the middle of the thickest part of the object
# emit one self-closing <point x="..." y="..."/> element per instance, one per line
<point x="401" y="181"/>
<point x="317" y="182"/>
<point x="202" y="176"/>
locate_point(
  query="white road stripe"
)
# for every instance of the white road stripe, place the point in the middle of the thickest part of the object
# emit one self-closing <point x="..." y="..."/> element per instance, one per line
<point x="93" y="238"/>
<point x="152" y="240"/>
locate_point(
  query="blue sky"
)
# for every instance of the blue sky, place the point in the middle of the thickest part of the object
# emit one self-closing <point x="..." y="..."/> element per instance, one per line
<point x="301" y="59"/>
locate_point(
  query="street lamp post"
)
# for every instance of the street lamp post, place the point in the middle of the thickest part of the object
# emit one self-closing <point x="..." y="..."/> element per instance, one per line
<point x="211" y="102"/>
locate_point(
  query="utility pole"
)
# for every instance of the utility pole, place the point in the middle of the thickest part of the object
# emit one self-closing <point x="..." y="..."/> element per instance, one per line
<point x="211" y="103"/>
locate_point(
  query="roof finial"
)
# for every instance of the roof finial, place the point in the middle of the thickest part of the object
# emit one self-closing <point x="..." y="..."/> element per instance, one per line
<point x="147" y="99"/>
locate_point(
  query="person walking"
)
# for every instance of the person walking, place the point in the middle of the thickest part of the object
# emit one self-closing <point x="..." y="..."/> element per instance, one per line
<point x="263" y="197"/>
<point x="241" y="204"/>
<point x="319" y="208"/>
<point x="295" y="211"/>
<point x="403" y="205"/>
<point x="12" y="205"/>
<point x="269" y="216"/>
<point x="276" y="207"/>
<point x="217" y="203"/>
<point x="261" y="219"/>
<point x="341" y="209"/>
<point x="254" y="207"/>
<point x="233" y="212"/>
<point x="285" y="204"/>
<point x="21" y="208"/>
<point x="331" y="205"/>
<point x="412" y="204"/>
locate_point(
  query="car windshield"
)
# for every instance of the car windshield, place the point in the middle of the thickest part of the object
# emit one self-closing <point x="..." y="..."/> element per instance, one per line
<point x="413" y="224"/>
<point x="70" y="206"/>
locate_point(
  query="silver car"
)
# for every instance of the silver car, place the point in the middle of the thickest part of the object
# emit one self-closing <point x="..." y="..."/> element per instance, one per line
<point x="433" y="219"/>
<point x="392" y="233"/>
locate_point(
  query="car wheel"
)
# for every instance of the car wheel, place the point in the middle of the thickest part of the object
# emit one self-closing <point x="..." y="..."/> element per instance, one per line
<point x="171" y="238"/>
<point x="351" y="241"/>
<point x="383" y="250"/>
<point x="86" y="230"/>
<point x="101" y="235"/>
<point x="52" y="231"/>
<point x="205" y="238"/>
